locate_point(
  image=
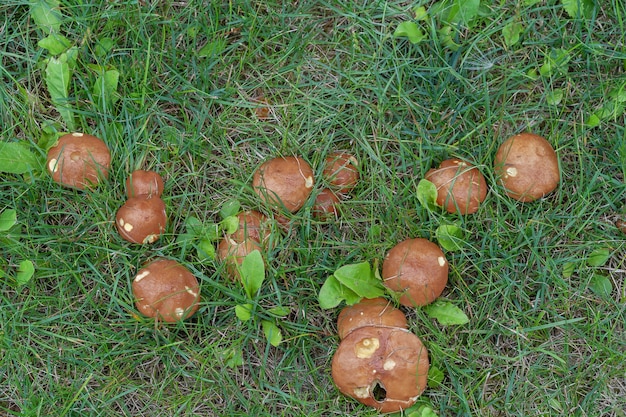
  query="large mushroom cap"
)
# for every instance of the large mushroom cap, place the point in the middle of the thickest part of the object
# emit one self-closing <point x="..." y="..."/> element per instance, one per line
<point x="79" y="160"/>
<point x="382" y="367"/>
<point x="286" y="181"/>
<point x="527" y="166"/>
<point x="341" y="170"/>
<point x="368" y="312"/>
<point x="418" y="269"/>
<point x="460" y="186"/>
<point x="142" y="182"/>
<point x="141" y="219"/>
<point x="166" y="290"/>
<point x="252" y="225"/>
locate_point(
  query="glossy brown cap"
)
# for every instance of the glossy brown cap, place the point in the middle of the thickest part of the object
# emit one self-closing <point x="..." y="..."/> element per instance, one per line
<point x="369" y="312"/>
<point x="527" y="166"/>
<point x="166" y="290"/>
<point x="382" y="367"/>
<point x="79" y="160"/>
<point x="142" y="182"/>
<point x="341" y="170"/>
<point x="416" y="268"/>
<point x="460" y="186"/>
<point x="325" y="205"/>
<point x="286" y="181"/>
<point x="141" y="219"/>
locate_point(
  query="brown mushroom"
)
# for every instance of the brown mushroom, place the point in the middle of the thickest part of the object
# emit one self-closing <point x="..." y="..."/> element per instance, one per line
<point x="527" y="166"/>
<point x="368" y="312"/>
<point x="252" y="225"/>
<point x="325" y="204"/>
<point x="341" y="170"/>
<point x="232" y="253"/>
<point x="284" y="182"/>
<point x="418" y="269"/>
<point x="142" y="182"/>
<point x="460" y="186"/>
<point x="141" y="219"/>
<point x="166" y="290"/>
<point x="79" y="160"/>
<point x="382" y="367"/>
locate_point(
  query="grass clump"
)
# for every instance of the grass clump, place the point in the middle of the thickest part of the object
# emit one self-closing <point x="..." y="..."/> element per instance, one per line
<point x="539" y="340"/>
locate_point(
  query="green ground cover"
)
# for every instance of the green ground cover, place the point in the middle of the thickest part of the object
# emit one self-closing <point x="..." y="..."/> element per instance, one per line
<point x="173" y="86"/>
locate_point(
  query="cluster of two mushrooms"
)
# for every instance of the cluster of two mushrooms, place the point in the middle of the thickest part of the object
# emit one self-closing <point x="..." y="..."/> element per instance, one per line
<point x="379" y="362"/>
<point x="526" y="165"/>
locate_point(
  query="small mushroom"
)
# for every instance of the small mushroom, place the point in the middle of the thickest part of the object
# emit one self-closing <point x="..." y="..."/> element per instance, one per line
<point x="527" y="166"/>
<point x="341" y="170"/>
<point x="79" y="160"/>
<point x="325" y="204"/>
<point x="621" y="225"/>
<point x="141" y="219"/>
<point x="166" y="290"/>
<point x="142" y="182"/>
<point x="252" y="225"/>
<point x="232" y="253"/>
<point x="460" y="186"/>
<point x="418" y="269"/>
<point x="369" y="312"/>
<point x="284" y="182"/>
<point x="382" y="367"/>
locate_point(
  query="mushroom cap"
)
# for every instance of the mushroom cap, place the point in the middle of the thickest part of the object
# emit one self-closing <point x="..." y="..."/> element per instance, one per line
<point x="141" y="219"/>
<point x="166" y="290"/>
<point x="527" y="166"/>
<point x="232" y="253"/>
<point x="141" y="182"/>
<point x="325" y="204"/>
<point x="382" y="367"/>
<point x="369" y="312"/>
<point x="285" y="181"/>
<point x="252" y="225"/>
<point x="461" y="187"/>
<point x="341" y="170"/>
<point x="79" y="160"/>
<point x="418" y="269"/>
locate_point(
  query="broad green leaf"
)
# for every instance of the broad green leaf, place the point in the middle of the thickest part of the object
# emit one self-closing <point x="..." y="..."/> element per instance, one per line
<point x="555" y="97"/>
<point x="455" y="12"/>
<point x="360" y="279"/>
<point x="252" y="273"/>
<point x="230" y="224"/>
<point x="230" y="208"/>
<point x="555" y="62"/>
<point x="243" y="311"/>
<point x="25" y="272"/>
<point x="598" y="257"/>
<point x="272" y="333"/>
<point x="279" y="311"/>
<point x="427" y="194"/>
<point x="446" y="313"/>
<point x="568" y="269"/>
<point x="579" y="8"/>
<point x="233" y="357"/>
<point x="55" y="43"/>
<point x="206" y="249"/>
<point x="601" y="285"/>
<point x="331" y="293"/>
<point x="420" y="13"/>
<point x="435" y="376"/>
<point x="212" y="48"/>
<point x="8" y="218"/>
<point x="193" y="226"/>
<point x="105" y="88"/>
<point x="511" y="33"/>
<point x="16" y="158"/>
<point x="46" y="15"/>
<point x="423" y="411"/>
<point x="104" y="46"/>
<point x="593" y="120"/>
<point x="57" y="78"/>
<point x="410" y="30"/>
<point x="450" y="237"/>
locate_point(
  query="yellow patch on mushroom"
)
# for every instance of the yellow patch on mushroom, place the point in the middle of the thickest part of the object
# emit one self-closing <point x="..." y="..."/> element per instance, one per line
<point x="190" y="291"/>
<point x="78" y="134"/>
<point x="308" y="182"/>
<point x="141" y="275"/>
<point x="52" y="166"/>
<point x="366" y="347"/>
<point x="389" y="365"/>
<point x="151" y="238"/>
<point x="511" y="172"/>
<point x="441" y="260"/>
<point x="361" y="392"/>
<point x="179" y="312"/>
<point x="127" y="226"/>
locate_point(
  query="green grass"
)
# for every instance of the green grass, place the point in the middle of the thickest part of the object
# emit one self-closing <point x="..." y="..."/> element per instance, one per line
<point x="537" y="344"/>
